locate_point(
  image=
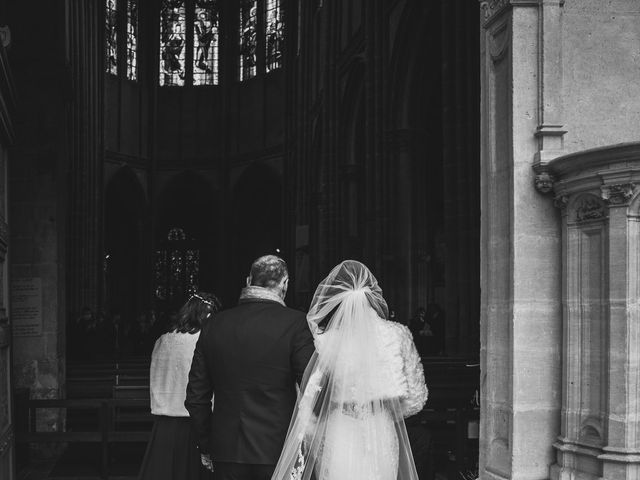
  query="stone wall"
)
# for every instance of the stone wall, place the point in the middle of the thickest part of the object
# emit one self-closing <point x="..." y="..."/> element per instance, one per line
<point x="36" y="202"/>
<point x="597" y="194"/>
<point x="601" y="65"/>
<point x="558" y="77"/>
<point x="520" y="246"/>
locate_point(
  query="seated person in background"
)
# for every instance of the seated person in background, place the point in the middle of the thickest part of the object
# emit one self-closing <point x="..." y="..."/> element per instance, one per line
<point x="417" y="325"/>
<point x="435" y="319"/>
<point x="86" y="335"/>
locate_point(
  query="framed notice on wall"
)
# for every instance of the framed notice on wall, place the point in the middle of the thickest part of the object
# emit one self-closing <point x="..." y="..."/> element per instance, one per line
<point x="26" y="306"/>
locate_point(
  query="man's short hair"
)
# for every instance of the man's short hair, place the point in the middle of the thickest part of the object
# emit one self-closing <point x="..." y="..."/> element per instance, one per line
<point x="268" y="271"/>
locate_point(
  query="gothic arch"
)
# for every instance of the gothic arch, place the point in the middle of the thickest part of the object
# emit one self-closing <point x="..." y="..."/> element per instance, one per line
<point x="189" y="202"/>
<point x="408" y="64"/>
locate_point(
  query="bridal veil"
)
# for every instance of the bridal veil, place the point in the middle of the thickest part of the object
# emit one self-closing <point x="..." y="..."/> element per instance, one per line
<point x="349" y="420"/>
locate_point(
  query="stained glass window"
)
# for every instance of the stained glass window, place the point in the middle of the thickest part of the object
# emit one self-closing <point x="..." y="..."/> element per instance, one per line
<point x="132" y="39"/>
<point x="248" y="38"/>
<point x="111" y="36"/>
<point x="177" y="268"/>
<point x="274" y="35"/>
<point x="172" y="42"/>
<point x="205" y="42"/>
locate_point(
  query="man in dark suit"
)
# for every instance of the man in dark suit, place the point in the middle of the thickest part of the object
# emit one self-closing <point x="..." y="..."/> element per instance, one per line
<point x="250" y="357"/>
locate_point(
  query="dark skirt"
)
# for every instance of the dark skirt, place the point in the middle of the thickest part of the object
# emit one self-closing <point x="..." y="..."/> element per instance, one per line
<point x="172" y="452"/>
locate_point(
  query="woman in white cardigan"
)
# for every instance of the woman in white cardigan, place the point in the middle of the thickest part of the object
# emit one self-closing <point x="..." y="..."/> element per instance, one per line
<point x="172" y="451"/>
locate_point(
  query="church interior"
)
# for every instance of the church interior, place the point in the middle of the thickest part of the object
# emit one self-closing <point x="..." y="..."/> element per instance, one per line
<point x="154" y="149"/>
<point x="482" y="158"/>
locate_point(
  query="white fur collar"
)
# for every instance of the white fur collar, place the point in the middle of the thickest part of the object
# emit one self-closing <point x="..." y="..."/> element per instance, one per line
<point x="260" y="293"/>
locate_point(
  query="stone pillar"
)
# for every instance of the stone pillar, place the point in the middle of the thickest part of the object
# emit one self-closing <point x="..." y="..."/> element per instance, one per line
<point x="520" y="317"/>
<point x="85" y="118"/>
<point x="7" y="137"/>
<point x="596" y="190"/>
<point x="37" y="187"/>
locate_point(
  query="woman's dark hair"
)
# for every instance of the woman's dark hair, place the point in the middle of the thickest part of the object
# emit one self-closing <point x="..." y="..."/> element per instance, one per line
<point x="195" y="311"/>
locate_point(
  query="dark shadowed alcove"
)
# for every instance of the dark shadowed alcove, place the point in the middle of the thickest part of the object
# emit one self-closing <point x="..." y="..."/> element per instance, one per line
<point x="186" y="204"/>
<point x="126" y="255"/>
<point x="256" y="221"/>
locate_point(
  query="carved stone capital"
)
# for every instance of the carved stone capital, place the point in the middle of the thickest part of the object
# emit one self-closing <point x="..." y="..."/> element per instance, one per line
<point x="618" y="194"/>
<point x="490" y="8"/>
<point x="544" y="182"/>
<point x="561" y="201"/>
<point x="590" y="208"/>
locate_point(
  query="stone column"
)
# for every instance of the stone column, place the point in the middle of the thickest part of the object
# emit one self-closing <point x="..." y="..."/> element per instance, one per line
<point x="520" y="250"/>
<point x="85" y="166"/>
<point x="596" y="190"/>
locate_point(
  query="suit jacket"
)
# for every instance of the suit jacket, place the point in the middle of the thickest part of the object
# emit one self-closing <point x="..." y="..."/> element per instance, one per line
<point x="250" y="358"/>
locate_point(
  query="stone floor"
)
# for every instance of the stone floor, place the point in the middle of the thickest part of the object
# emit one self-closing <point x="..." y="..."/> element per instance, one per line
<point x="82" y="462"/>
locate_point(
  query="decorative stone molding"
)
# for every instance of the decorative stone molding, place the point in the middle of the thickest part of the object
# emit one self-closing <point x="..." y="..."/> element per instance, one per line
<point x="590" y="208"/>
<point x="619" y="194"/>
<point x="561" y="201"/>
<point x="599" y="158"/>
<point x="550" y="143"/>
<point x="600" y="289"/>
<point x="499" y="41"/>
<point x="544" y="182"/>
<point x="491" y="8"/>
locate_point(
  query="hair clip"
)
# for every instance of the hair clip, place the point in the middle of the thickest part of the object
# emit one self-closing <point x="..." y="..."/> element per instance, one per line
<point x="203" y="300"/>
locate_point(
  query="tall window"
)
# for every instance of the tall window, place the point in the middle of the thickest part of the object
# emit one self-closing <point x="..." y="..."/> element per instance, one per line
<point x="205" y="44"/>
<point x="248" y="38"/>
<point x="111" y="36"/>
<point x="177" y="268"/>
<point x="172" y="42"/>
<point x="121" y="38"/>
<point x="274" y="35"/>
<point x="132" y="39"/>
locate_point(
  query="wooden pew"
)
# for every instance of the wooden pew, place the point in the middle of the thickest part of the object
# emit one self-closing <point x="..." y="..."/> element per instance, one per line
<point x="132" y="417"/>
<point x="96" y="380"/>
<point x="452" y="383"/>
<point x="104" y="434"/>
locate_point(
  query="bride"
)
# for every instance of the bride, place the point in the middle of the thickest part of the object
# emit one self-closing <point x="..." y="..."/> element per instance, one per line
<point x="363" y="380"/>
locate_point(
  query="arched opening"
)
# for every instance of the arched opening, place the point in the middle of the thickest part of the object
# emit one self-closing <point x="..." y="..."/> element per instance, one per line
<point x="185" y="241"/>
<point x="256" y="222"/>
<point x="434" y="153"/>
<point x="436" y="158"/>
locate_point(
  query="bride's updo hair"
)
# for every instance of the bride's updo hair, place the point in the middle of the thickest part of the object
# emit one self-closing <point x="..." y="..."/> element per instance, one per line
<point x="268" y="271"/>
<point x="346" y="279"/>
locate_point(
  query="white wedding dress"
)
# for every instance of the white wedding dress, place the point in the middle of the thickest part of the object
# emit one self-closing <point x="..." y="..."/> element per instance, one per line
<point x="362" y="446"/>
<point x="364" y="379"/>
